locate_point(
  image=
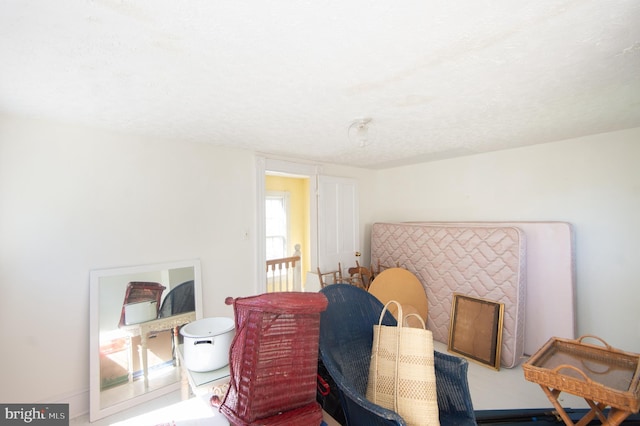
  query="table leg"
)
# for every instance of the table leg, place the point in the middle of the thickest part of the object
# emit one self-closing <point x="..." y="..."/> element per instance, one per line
<point x="617" y="416"/>
<point x="552" y="394"/>
<point x="143" y="359"/>
<point x="175" y="346"/>
<point x="586" y="419"/>
<point x="596" y="410"/>
<point x="185" y="387"/>
<point x="130" y="355"/>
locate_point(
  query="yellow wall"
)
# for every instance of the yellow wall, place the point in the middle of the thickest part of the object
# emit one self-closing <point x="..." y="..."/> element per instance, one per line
<point x="298" y="189"/>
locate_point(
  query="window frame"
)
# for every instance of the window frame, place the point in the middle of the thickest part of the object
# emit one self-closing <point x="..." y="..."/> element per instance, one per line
<point x="284" y="196"/>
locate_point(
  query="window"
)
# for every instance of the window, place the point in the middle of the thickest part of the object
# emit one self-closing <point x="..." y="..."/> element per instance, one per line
<point x="277" y="224"/>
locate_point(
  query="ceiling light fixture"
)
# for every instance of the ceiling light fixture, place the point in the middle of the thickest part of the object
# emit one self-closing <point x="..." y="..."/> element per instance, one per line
<point x="358" y="131"/>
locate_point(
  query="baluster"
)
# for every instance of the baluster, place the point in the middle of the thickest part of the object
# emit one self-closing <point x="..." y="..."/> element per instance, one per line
<point x="292" y="281"/>
<point x="285" y="265"/>
<point x="297" y="269"/>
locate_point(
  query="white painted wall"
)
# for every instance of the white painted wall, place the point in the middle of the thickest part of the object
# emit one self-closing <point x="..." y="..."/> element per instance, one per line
<point x="592" y="182"/>
<point x="74" y="199"/>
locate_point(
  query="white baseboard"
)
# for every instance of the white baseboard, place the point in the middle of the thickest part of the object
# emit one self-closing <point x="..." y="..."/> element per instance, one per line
<point x="78" y="402"/>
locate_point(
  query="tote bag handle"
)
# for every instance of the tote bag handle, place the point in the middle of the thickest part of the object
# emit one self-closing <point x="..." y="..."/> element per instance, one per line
<point x="397" y="354"/>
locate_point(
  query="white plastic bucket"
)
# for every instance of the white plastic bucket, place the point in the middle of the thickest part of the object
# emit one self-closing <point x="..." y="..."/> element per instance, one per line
<point x="207" y="342"/>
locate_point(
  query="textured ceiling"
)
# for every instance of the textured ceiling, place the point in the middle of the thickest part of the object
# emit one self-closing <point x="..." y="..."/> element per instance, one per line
<point x="437" y="78"/>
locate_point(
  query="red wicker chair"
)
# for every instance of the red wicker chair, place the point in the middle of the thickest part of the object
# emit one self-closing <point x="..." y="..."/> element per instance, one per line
<point x="274" y="360"/>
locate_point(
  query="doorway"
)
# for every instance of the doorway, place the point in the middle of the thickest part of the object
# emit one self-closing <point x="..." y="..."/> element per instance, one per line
<point x="287" y="217"/>
<point x="332" y="228"/>
<point x="286" y="170"/>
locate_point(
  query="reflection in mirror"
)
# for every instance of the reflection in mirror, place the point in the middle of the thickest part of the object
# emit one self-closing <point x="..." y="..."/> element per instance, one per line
<point x="135" y="316"/>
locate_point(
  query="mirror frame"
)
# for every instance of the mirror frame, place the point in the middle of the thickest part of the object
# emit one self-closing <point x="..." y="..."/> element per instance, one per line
<point x="96" y="411"/>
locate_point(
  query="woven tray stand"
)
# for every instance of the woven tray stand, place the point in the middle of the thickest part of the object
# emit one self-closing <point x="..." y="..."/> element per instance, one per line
<point x="602" y="375"/>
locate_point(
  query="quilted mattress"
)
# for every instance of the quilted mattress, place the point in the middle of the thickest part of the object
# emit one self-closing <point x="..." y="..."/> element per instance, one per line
<point x="488" y="262"/>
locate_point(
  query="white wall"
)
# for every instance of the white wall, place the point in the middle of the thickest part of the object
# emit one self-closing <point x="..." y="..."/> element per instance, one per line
<point x="592" y="182"/>
<point x="74" y="199"/>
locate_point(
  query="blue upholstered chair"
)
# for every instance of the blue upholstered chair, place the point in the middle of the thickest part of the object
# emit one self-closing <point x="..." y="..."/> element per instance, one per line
<point x="346" y="337"/>
<point x="180" y="299"/>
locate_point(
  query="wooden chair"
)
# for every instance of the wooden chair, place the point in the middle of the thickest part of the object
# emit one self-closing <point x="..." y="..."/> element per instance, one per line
<point x="336" y="277"/>
<point x="331" y="277"/>
<point x="360" y="275"/>
<point x="382" y="268"/>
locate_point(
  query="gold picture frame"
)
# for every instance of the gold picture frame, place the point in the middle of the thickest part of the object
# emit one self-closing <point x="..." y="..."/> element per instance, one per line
<point x="475" y="331"/>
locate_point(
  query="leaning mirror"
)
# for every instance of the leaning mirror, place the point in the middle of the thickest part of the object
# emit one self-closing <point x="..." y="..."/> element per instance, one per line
<point x="135" y="314"/>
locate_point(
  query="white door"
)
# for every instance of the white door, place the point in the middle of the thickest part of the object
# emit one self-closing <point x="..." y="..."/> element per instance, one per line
<point x="338" y="225"/>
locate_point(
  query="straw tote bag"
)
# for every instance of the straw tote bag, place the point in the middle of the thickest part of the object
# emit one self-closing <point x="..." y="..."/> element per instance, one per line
<point x="402" y="375"/>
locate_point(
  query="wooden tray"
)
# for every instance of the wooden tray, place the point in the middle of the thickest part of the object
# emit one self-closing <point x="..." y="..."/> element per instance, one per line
<point x="597" y="373"/>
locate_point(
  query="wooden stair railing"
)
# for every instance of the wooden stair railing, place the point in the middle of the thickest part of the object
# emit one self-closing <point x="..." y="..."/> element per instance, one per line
<point x="285" y="274"/>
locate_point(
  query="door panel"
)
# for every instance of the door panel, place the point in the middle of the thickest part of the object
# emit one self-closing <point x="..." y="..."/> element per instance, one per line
<point x="338" y="227"/>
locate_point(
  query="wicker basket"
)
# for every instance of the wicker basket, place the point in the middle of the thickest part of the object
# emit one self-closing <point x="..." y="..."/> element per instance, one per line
<point x="594" y="372"/>
<point x="274" y="359"/>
